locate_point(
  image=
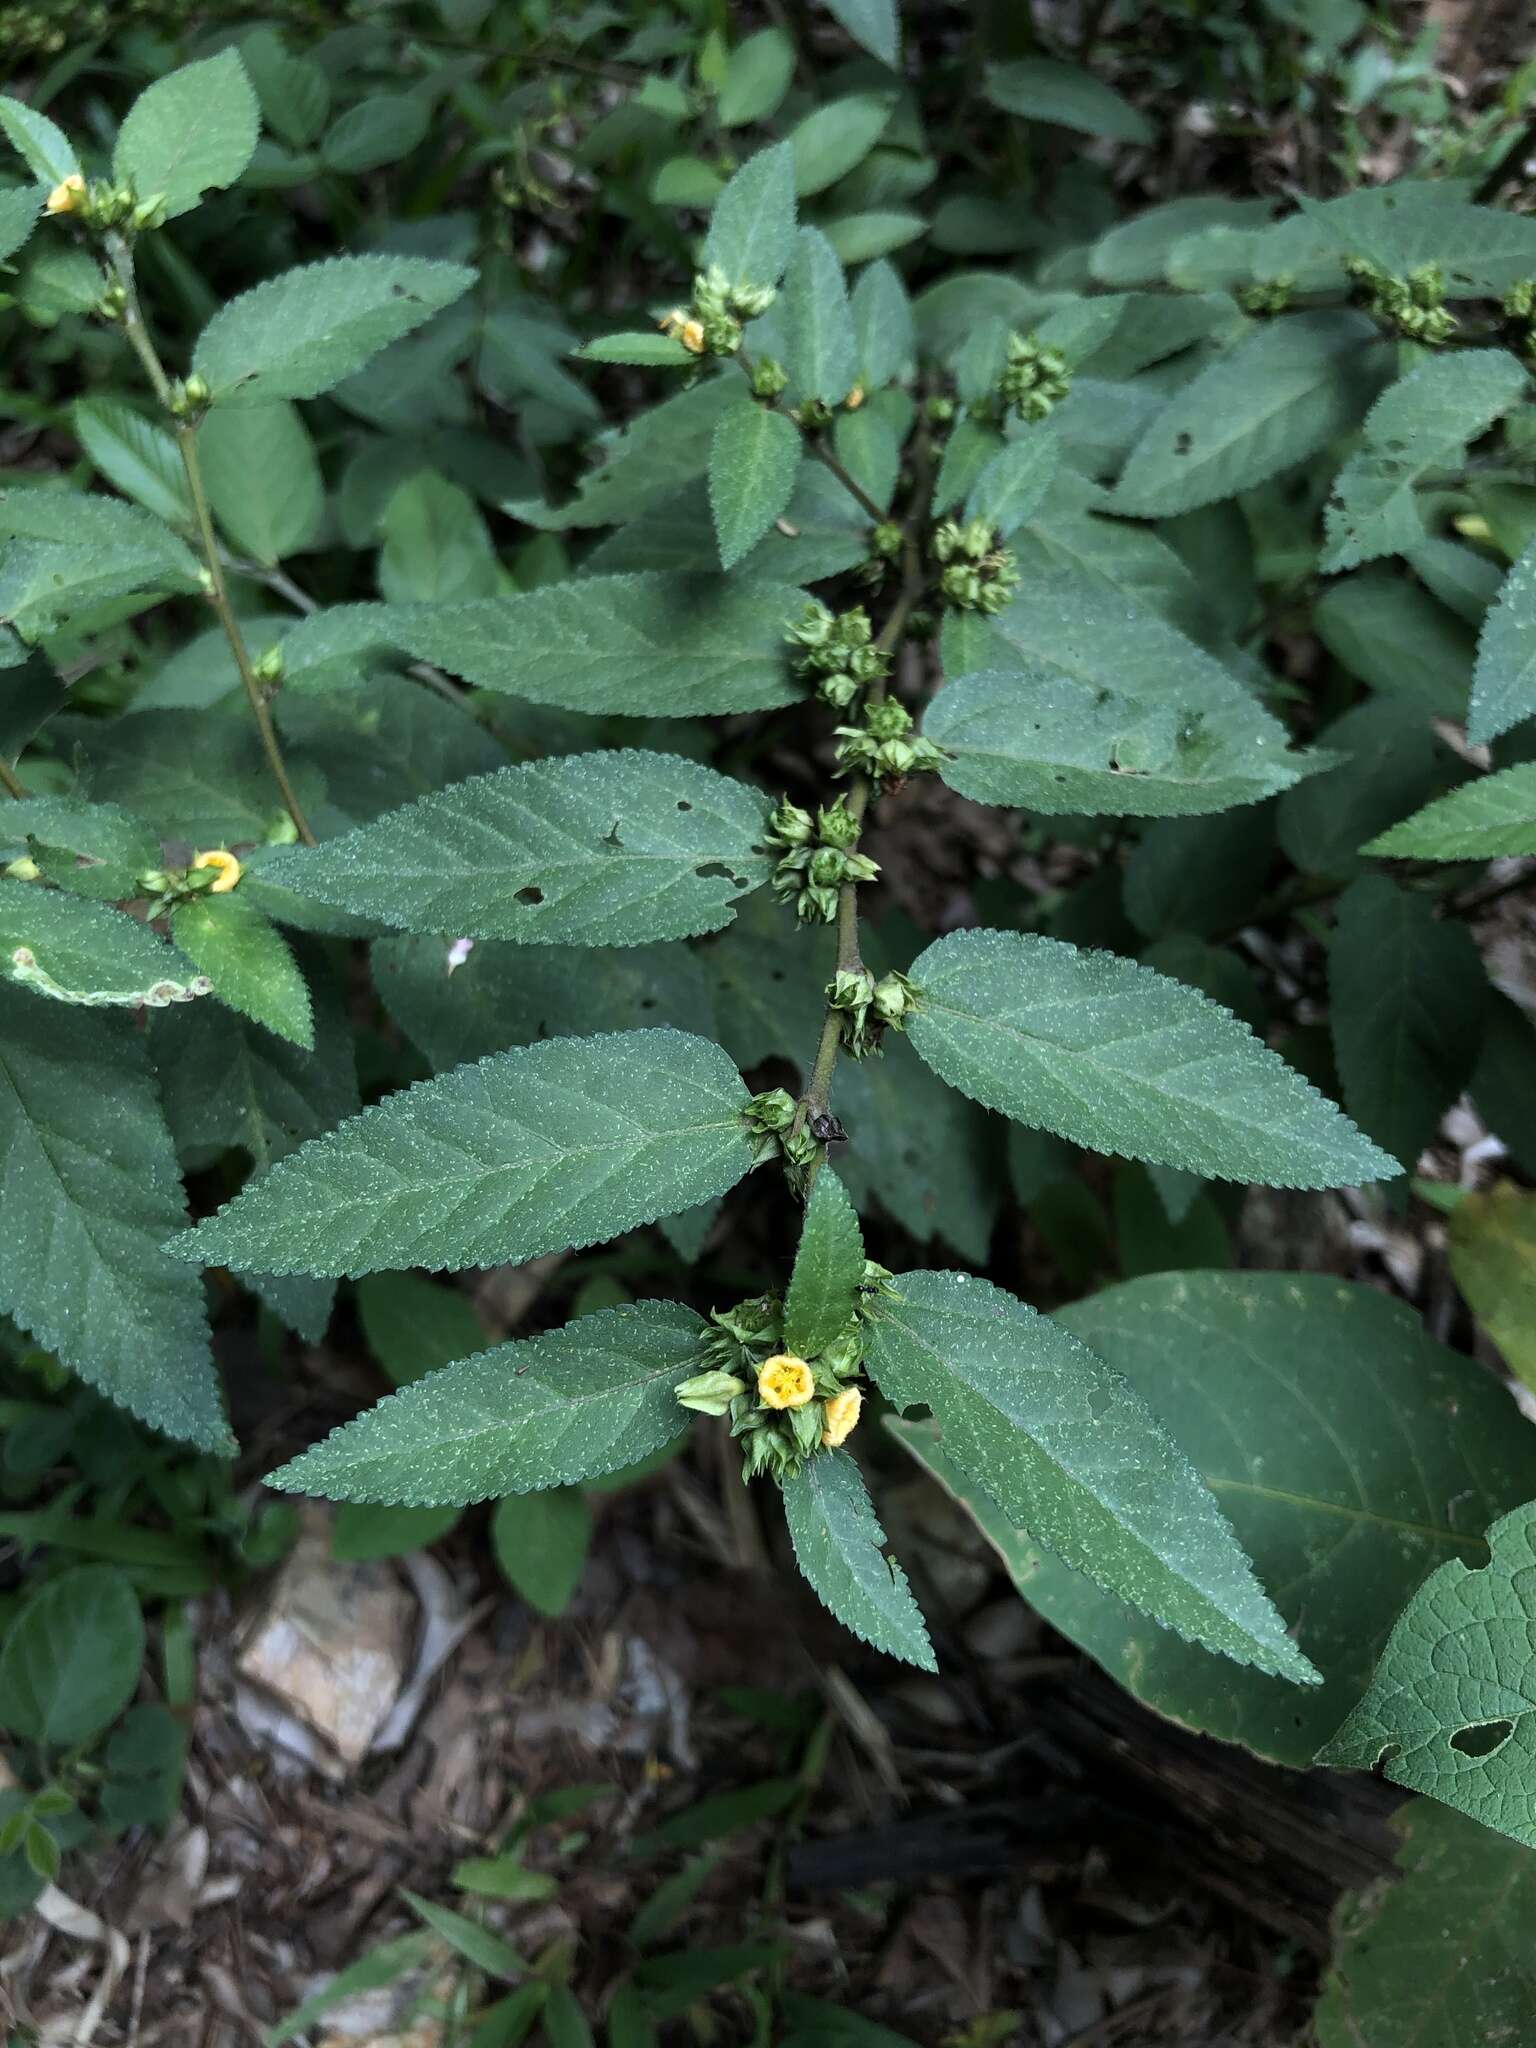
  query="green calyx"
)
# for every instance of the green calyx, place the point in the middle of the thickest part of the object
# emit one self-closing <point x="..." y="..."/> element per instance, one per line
<point x="870" y="1008"/>
<point x="1413" y="305"/>
<point x="1034" y="379"/>
<point x="976" y="573"/>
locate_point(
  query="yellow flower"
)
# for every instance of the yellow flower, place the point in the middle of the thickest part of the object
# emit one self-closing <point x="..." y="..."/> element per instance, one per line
<point x="226" y="864"/>
<point x="842" y="1417"/>
<point x="66" y="197"/>
<point x="682" y="327"/>
<point x="785" y="1382"/>
<point x="854" y="399"/>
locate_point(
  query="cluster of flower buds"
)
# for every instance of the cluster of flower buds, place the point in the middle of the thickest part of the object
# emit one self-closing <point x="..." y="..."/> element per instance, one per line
<point x="884" y="747"/>
<point x="869" y="1007"/>
<point x="768" y="378"/>
<point x="102" y="205"/>
<point x="784" y="1408"/>
<point x="1268" y="296"/>
<point x="711" y="323"/>
<point x="188" y="400"/>
<point x="819" y="858"/>
<point x="770" y="1118"/>
<point x="1414" y="305"/>
<point x="977" y="574"/>
<point x="838" y="648"/>
<point x="885" y="545"/>
<point x="1034" y="379"/>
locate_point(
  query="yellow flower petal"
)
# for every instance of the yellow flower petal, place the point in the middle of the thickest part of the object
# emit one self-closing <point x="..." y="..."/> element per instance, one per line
<point x="842" y="1417"/>
<point x="785" y="1382"/>
<point x="228" y="869"/>
<point x="66" y="197"/>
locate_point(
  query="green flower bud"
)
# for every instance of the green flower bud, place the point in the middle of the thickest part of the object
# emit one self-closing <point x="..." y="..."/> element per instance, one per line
<point x="838" y="690"/>
<point x="837" y="825"/>
<point x="826" y="869"/>
<point x="845" y="1354"/>
<point x="939" y="410"/>
<point x="888" y="719"/>
<point x="851" y="988"/>
<point x="894" y="999"/>
<point x="751" y="300"/>
<point x="709" y="1393"/>
<point x="813" y="414"/>
<point x="789" y="825"/>
<point x="773" y="1111"/>
<point x="886" y="539"/>
<point x="769" y="378"/>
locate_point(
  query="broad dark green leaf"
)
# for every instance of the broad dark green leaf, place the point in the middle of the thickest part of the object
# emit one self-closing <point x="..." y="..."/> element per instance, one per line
<point x="871" y="23"/>
<point x="247" y="960"/>
<point x="752" y="228"/>
<point x="263" y="479"/>
<point x="835" y="137"/>
<point x="650" y="645"/>
<point x="72" y="1657"/>
<point x="540" y="1540"/>
<point x="1280" y="395"/>
<point x="47" y="153"/>
<point x="839" y="1547"/>
<point x="1067" y="95"/>
<point x="136" y="454"/>
<point x="753" y="462"/>
<point x="565" y="1143"/>
<point x="1449" y="1712"/>
<point x="1014" y="483"/>
<point x="297" y="334"/>
<point x="1420" y="425"/>
<point x="1067" y="1447"/>
<point x="90" y="1192"/>
<point x="437" y="547"/>
<point x="1119" y="1059"/>
<point x="757" y="76"/>
<point x="1439" y="1958"/>
<point x="600" y="849"/>
<point x="1489" y="819"/>
<point x="1345" y="1487"/>
<point x="1046" y="742"/>
<point x="1390" y="760"/>
<point x="819" y="348"/>
<point x="829" y="1265"/>
<point x="1504" y="681"/>
<point x="1394" y="636"/>
<point x="192" y="131"/>
<point x="550" y="1411"/>
<point x="1408" y="1001"/>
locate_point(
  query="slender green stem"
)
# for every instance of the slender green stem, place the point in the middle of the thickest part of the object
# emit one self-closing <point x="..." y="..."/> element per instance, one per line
<point x="186" y="442"/>
<point x="10" y="782"/>
<point x="142" y="343"/>
<point x="817" y="448"/>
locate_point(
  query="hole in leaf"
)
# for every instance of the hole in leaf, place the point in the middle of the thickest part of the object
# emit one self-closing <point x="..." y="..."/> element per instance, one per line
<point x="1483" y="1738"/>
<point x="683" y="804"/>
<point x="1182" y="443"/>
<point x="530" y="895"/>
<point x="714" y="871"/>
<point x="1100" y="1401"/>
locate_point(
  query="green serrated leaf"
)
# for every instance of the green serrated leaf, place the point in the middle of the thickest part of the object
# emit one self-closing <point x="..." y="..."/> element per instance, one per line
<point x="1046" y="742"/>
<point x="1341" y="1516"/>
<point x="1119" y="1059"/>
<point x="1266" y="405"/>
<point x="191" y="132"/>
<point x="1067" y="1448"/>
<point x="1504" y="680"/>
<point x="71" y="549"/>
<point x="1421" y="424"/>
<point x="437" y="547"/>
<point x="48" y="155"/>
<point x="647" y="351"/>
<point x="598" y="849"/>
<point x="60" y="946"/>
<point x="819" y="349"/>
<point x="753" y="462"/>
<point x="829" y="1265"/>
<point x="299" y="333"/>
<point x="91" y="1189"/>
<point x="247" y="959"/>
<point x="565" y="1143"/>
<point x="1439" y="1958"/>
<point x="1489" y="819"/>
<point x="1408" y="1001"/>
<point x="263" y="479"/>
<point x="838" y="1546"/>
<point x="95" y="849"/>
<point x="136" y="454"/>
<point x="550" y="1411"/>
<point x="1042" y="89"/>
<point x="660" y="646"/>
<point x="1449" y="1712"/>
<point x="753" y="224"/>
<point x="882" y="325"/>
<point x="1014" y="483"/>
<point x="72" y="1657"/>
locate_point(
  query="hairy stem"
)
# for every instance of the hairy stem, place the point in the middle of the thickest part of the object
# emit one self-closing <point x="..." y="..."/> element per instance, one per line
<point x="142" y="343"/>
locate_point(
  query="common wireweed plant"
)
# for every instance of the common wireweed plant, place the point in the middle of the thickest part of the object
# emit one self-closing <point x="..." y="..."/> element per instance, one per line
<point x="1032" y="535"/>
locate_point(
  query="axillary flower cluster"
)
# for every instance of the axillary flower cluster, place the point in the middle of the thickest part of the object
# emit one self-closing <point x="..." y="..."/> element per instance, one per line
<point x="711" y="323"/>
<point x="783" y="1408"/>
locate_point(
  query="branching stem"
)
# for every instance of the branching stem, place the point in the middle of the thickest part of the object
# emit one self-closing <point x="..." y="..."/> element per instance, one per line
<point x="142" y="343"/>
